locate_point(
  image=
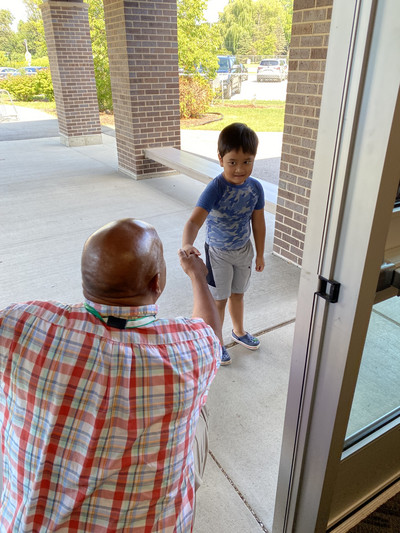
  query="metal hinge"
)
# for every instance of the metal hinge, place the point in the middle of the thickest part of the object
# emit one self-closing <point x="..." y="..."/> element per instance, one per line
<point x="328" y="289"/>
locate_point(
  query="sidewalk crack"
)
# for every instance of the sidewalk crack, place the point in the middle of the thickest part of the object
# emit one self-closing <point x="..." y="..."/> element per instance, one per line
<point x="231" y="482"/>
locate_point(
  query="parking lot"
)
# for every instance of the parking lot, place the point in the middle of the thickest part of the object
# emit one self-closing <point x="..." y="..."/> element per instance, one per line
<point x="267" y="90"/>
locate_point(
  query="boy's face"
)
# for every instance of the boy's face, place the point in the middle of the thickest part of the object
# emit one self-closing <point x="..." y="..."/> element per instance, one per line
<point x="237" y="166"/>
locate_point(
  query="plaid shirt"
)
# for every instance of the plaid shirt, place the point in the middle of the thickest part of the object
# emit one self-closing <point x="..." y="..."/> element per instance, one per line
<point x="97" y="423"/>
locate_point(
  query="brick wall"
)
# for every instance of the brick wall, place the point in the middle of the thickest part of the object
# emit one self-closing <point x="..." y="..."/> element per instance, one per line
<point x="143" y="54"/>
<point x="66" y="26"/>
<point x="308" y="48"/>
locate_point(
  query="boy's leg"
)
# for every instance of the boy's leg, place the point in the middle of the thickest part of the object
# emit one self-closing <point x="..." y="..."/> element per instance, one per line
<point x="236" y="310"/>
<point x="221" y="304"/>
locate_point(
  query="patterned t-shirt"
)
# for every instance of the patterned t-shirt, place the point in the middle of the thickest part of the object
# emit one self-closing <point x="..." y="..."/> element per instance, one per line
<point x="230" y="209"/>
<point x="98" y="423"/>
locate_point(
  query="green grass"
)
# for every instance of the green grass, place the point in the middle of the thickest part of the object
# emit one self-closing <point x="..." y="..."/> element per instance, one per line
<point x="261" y="115"/>
<point x="47" y="107"/>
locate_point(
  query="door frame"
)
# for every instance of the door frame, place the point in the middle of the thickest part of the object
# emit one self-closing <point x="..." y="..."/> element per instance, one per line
<point x="355" y="180"/>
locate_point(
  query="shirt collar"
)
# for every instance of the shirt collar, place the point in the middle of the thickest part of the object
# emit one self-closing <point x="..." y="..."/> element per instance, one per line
<point x="126" y="312"/>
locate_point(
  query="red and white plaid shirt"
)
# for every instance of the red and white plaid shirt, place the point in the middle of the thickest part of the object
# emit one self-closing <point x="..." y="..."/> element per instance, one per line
<point x="97" y="423"/>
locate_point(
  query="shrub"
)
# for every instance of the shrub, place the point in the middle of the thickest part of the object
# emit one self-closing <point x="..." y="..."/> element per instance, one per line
<point x="195" y="96"/>
<point x="103" y="86"/>
<point x="26" y="88"/>
<point x="44" y="84"/>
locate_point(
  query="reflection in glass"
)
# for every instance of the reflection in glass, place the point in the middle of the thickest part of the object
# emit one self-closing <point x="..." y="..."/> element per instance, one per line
<point x="377" y="394"/>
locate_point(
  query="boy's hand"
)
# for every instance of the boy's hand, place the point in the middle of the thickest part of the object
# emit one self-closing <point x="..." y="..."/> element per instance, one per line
<point x="260" y="264"/>
<point x="190" y="249"/>
<point x="192" y="265"/>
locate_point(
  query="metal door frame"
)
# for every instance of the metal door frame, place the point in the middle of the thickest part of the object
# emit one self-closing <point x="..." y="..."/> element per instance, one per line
<point x="355" y="180"/>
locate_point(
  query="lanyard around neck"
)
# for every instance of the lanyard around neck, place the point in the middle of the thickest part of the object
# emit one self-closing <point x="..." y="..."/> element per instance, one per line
<point x="121" y="323"/>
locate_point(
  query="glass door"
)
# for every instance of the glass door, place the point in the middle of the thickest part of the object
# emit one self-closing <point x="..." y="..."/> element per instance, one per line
<point x="323" y="477"/>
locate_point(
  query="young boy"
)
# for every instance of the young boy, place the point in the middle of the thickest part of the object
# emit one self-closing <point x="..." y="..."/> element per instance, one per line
<point x="231" y="204"/>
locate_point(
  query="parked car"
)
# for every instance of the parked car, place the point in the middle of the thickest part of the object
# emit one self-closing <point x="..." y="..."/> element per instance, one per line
<point x="272" y="70"/>
<point x="228" y="79"/>
<point x="8" y="71"/>
<point x="30" y="70"/>
<point x="285" y="67"/>
<point x="244" y="73"/>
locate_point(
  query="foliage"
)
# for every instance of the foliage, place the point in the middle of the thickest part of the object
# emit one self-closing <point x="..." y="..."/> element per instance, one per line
<point x="26" y="88"/>
<point x="100" y="55"/>
<point x="246" y="27"/>
<point x="7" y="36"/>
<point x="33" y="32"/>
<point x="195" y="95"/>
<point x="198" y="41"/>
<point x="257" y="27"/>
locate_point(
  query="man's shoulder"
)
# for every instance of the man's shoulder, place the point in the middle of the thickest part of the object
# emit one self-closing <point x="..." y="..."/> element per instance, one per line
<point x="36" y="308"/>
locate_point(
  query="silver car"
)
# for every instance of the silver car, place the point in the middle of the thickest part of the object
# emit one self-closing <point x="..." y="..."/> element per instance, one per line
<point x="272" y="70"/>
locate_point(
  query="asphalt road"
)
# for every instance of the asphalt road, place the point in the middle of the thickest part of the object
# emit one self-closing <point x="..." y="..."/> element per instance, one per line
<point x="261" y="90"/>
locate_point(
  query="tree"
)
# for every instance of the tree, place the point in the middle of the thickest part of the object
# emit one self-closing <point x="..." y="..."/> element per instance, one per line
<point x="7" y="36"/>
<point x="198" y="41"/>
<point x="257" y="26"/>
<point x="100" y="55"/>
<point x="237" y="24"/>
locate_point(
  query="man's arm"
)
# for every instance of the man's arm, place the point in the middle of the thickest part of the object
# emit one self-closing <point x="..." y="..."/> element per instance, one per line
<point x="258" y="224"/>
<point x="203" y="303"/>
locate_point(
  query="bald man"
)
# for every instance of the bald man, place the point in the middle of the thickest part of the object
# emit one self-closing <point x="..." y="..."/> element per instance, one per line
<point x="102" y="404"/>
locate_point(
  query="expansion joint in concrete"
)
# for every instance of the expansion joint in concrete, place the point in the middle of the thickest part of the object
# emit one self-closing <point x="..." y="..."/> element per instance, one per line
<point x="258" y="520"/>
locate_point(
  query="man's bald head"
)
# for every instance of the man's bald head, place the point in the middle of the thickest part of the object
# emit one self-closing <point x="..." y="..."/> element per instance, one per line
<point x="123" y="264"/>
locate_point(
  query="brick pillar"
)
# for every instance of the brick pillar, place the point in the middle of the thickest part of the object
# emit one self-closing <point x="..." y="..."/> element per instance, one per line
<point x="143" y="55"/>
<point x="66" y="26"/>
<point x="308" y="48"/>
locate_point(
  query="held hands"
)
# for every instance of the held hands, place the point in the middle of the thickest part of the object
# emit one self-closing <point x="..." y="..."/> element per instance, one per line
<point x="190" y="249"/>
<point x="192" y="265"/>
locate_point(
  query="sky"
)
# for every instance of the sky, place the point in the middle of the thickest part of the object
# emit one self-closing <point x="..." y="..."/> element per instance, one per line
<point x="214" y="7"/>
<point x="17" y="8"/>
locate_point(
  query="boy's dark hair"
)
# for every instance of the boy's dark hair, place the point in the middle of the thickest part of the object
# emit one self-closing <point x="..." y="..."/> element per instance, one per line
<point x="236" y="136"/>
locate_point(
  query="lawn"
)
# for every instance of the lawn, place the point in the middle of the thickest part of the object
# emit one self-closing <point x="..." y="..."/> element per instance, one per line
<point x="260" y="115"/>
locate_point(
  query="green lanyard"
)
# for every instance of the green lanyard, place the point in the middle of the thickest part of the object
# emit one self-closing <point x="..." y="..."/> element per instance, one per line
<point x="121" y="323"/>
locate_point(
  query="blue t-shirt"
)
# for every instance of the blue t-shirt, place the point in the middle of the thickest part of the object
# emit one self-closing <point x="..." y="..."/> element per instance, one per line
<point x="230" y="209"/>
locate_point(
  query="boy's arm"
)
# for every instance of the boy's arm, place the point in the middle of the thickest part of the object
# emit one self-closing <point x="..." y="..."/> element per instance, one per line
<point x="258" y="224"/>
<point x="191" y="230"/>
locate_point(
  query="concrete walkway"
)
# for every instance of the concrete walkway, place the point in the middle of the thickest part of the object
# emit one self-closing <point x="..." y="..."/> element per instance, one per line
<point x="53" y="197"/>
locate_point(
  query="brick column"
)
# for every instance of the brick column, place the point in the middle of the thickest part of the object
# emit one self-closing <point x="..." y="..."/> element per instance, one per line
<point x="308" y="48"/>
<point x="143" y="55"/>
<point x="66" y="26"/>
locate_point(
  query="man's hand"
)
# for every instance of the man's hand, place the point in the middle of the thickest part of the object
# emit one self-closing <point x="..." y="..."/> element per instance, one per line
<point x="191" y="264"/>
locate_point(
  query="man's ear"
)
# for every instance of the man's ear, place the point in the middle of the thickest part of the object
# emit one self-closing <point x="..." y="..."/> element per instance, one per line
<point x="220" y="160"/>
<point x="155" y="285"/>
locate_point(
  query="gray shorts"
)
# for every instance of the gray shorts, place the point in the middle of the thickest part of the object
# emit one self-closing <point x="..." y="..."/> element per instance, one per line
<point x="228" y="270"/>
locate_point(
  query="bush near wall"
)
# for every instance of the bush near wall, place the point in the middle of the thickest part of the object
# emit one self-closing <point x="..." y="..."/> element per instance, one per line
<point x="195" y="96"/>
<point x="28" y="88"/>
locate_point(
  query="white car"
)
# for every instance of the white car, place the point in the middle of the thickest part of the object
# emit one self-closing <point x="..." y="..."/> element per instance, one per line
<point x="272" y="70"/>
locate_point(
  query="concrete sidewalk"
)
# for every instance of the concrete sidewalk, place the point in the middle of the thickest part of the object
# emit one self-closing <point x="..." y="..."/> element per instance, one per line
<point x="52" y="198"/>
